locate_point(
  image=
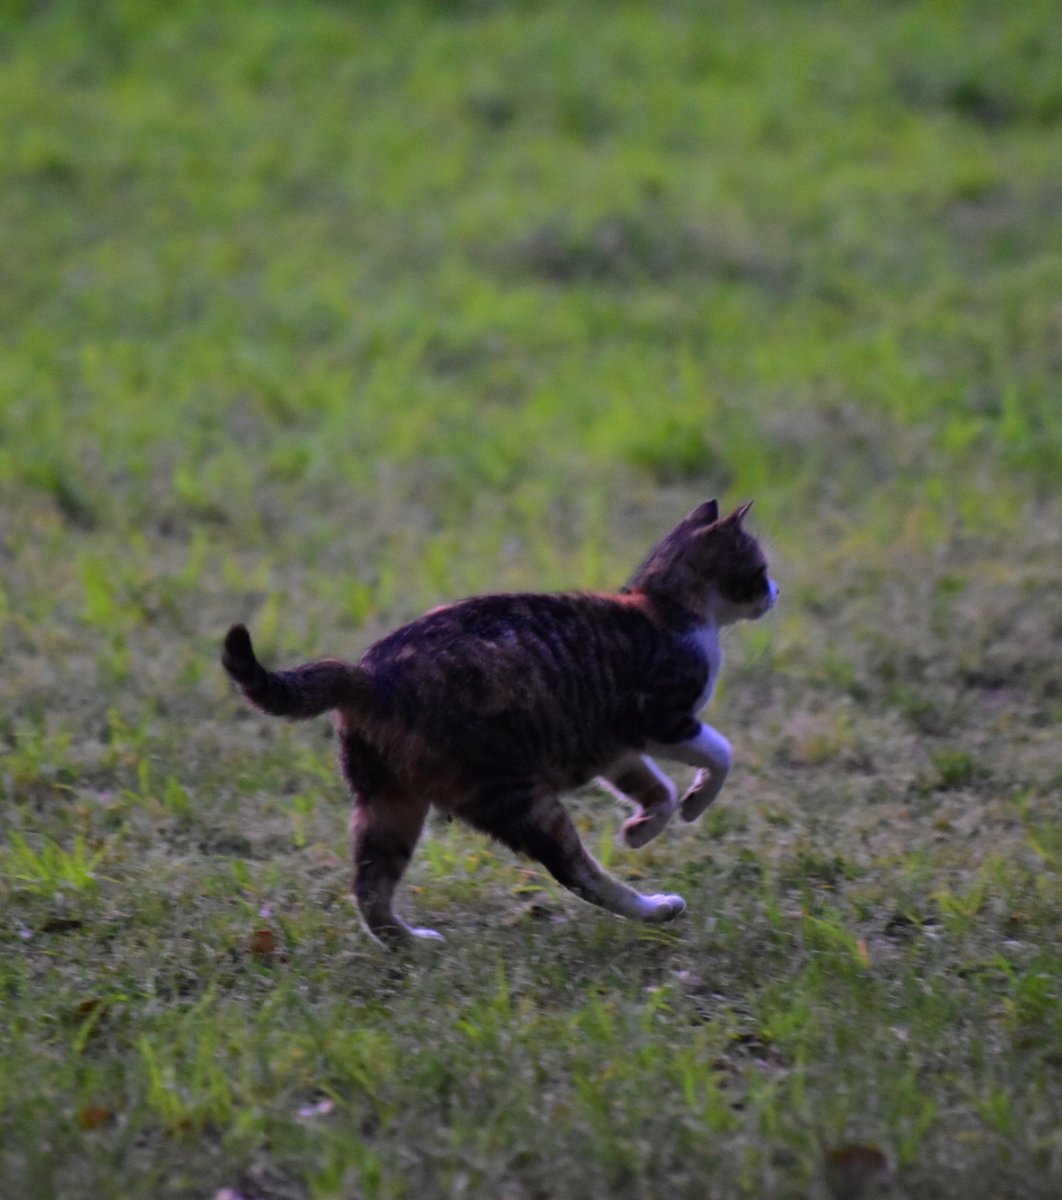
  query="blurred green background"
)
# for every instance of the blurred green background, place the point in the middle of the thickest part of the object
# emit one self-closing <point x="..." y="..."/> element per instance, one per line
<point x="483" y="259"/>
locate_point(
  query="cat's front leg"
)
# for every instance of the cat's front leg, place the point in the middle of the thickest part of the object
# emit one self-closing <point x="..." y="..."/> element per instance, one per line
<point x="638" y="779"/>
<point x="700" y="794"/>
<point x="709" y="751"/>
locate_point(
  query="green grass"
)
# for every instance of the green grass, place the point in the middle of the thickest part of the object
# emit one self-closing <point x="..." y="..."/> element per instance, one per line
<point x="315" y="315"/>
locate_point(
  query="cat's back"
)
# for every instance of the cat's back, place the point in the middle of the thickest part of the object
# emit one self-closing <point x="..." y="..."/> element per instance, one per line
<point x="553" y="684"/>
<point x="541" y="633"/>
<point x="527" y="679"/>
<point x="536" y="654"/>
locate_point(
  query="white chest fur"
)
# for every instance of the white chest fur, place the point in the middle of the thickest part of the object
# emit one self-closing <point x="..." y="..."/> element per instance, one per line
<point x="706" y="641"/>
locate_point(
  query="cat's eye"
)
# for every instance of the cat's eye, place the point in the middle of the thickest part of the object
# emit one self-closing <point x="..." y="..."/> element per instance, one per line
<point x="748" y="585"/>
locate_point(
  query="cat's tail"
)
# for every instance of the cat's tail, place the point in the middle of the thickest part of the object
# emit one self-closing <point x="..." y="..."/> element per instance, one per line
<point x="305" y="691"/>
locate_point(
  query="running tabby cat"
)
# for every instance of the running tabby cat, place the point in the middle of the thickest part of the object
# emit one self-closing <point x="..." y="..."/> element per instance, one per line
<point x="491" y="707"/>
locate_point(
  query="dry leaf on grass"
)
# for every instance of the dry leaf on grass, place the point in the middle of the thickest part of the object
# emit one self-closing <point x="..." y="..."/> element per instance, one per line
<point x="262" y="943"/>
<point x="95" y="1116"/>
<point x="855" y="1172"/>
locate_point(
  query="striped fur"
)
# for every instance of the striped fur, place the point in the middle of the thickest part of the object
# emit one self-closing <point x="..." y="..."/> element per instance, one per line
<point x="492" y="707"/>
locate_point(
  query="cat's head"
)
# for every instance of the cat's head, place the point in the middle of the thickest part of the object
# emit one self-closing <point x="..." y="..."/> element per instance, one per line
<point x="709" y="566"/>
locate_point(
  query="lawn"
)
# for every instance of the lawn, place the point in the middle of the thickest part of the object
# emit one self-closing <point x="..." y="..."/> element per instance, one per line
<point x="315" y="315"/>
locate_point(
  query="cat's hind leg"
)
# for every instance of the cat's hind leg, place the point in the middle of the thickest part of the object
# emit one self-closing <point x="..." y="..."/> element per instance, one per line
<point x="384" y="829"/>
<point x="639" y="779"/>
<point x="540" y="827"/>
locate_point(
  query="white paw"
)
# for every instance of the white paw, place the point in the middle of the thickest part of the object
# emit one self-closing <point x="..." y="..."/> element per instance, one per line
<point x="662" y="908"/>
<point x="638" y="830"/>
<point x="398" y="934"/>
<point x="429" y="935"/>
<point x="700" y="794"/>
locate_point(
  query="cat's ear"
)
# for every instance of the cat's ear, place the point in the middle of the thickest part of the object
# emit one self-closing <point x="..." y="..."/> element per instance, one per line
<point x="706" y="513"/>
<point x="738" y="515"/>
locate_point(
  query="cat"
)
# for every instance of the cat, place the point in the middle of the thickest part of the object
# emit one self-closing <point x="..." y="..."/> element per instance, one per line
<point x="491" y="707"/>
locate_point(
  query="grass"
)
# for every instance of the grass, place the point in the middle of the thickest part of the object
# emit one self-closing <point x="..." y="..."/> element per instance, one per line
<point x="313" y="316"/>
